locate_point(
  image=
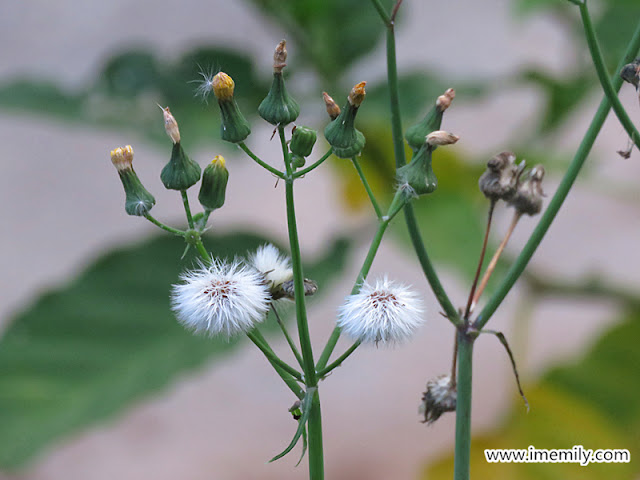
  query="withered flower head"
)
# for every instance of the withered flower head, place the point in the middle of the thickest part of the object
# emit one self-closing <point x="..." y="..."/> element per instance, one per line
<point x="333" y="109"/>
<point x="439" y="398"/>
<point x="500" y="180"/>
<point x="528" y="198"/>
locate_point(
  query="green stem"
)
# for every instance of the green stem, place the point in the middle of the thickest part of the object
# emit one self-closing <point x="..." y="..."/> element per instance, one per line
<point x="187" y="209"/>
<point x="264" y="165"/>
<point x="462" y="455"/>
<point x="601" y="69"/>
<point x="286" y="377"/>
<point x="323" y="373"/>
<point x="382" y="12"/>
<point x="363" y="179"/>
<point x="427" y="267"/>
<point x="271" y="356"/>
<point x="396" y="205"/>
<point x="203" y="252"/>
<point x="285" y="332"/>
<point x="163" y="226"/>
<point x="561" y="193"/>
<point x="203" y="221"/>
<point x="316" y="455"/>
<point x="313" y="166"/>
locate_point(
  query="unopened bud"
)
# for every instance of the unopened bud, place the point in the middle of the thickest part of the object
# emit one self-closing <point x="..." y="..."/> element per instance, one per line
<point x="332" y="107"/>
<point x="181" y="172"/>
<point x="280" y="57"/>
<point x="440" y="138"/>
<point x="416" y="134"/>
<point x="500" y="180"/>
<point x="170" y="125"/>
<point x="528" y="197"/>
<point x="631" y="73"/>
<point x="444" y="101"/>
<point x="439" y="398"/>
<point x="278" y="108"/>
<point x="357" y="94"/>
<point x="344" y="138"/>
<point x="302" y="141"/>
<point x="138" y="201"/>
<point x="223" y="86"/>
<point x="234" y="127"/>
<point x="214" y="184"/>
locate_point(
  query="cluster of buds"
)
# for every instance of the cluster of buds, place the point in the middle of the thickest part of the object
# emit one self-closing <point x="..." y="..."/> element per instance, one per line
<point x="418" y="177"/>
<point x="504" y="180"/>
<point x="341" y="133"/>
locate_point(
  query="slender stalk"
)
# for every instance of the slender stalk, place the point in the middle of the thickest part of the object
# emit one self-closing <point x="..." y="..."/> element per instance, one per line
<point x="462" y="455"/>
<point x="494" y="260"/>
<point x="202" y="223"/>
<point x="470" y="301"/>
<point x="291" y="382"/>
<point x="603" y="76"/>
<point x="316" y="455"/>
<point x="314" y="165"/>
<point x="427" y="267"/>
<point x="364" y="270"/>
<point x="382" y="12"/>
<point x="203" y="252"/>
<point x="323" y="373"/>
<point x="363" y="179"/>
<point x="561" y="193"/>
<point x="272" y="357"/>
<point x="187" y="209"/>
<point x="163" y="226"/>
<point x="264" y="165"/>
<point x="454" y="362"/>
<point x="285" y="332"/>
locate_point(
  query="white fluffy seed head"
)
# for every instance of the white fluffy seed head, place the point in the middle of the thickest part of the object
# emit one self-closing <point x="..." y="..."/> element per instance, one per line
<point x="273" y="265"/>
<point x="386" y="312"/>
<point x="226" y="298"/>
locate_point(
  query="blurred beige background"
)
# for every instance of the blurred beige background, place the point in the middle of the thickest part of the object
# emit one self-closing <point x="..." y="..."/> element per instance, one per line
<point x="61" y="207"/>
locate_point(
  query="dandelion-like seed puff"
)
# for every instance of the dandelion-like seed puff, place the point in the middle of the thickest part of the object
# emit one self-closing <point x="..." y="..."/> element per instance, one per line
<point x="274" y="265"/>
<point x="386" y="312"/>
<point x="226" y="298"/>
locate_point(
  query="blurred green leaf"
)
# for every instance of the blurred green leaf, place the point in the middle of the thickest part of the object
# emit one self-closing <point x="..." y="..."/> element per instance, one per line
<point x="82" y="353"/>
<point x="329" y="35"/>
<point x="131" y="83"/>
<point x="591" y="402"/>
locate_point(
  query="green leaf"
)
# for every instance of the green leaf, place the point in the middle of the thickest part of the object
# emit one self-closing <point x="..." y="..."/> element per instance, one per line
<point x="302" y="422"/>
<point x="83" y="353"/>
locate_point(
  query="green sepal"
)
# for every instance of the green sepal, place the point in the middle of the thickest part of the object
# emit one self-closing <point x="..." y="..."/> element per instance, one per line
<point x="138" y="201"/>
<point x="418" y="174"/>
<point x="181" y="172"/>
<point x="278" y="108"/>
<point x="234" y="127"/>
<point x="302" y="141"/>
<point x="342" y="135"/>
<point x="214" y="186"/>
<point x="417" y="133"/>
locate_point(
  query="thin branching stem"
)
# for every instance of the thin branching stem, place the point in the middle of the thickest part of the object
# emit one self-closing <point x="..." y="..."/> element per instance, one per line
<point x="367" y="187"/>
<point x="263" y="164"/>
<point x="603" y="76"/>
<point x="313" y="166"/>
<point x="167" y="228"/>
<point x="285" y="332"/>
<point x="470" y="300"/>
<point x="262" y="344"/>
<point x="187" y="208"/>
<point x="494" y="260"/>
<point x="326" y="370"/>
<point x="561" y="193"/>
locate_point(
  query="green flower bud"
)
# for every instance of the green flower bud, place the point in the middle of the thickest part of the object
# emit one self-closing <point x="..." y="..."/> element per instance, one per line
<point x="279" y="108"/>
<point x="214" y="184"/>
<point x="181" y="172"/>
<point x="302" y="141"/>
<point x="416" y="134"/>
<point x="297" y="161"/>
<point x="234" y="127"/>
<point x="341" y="133"/>
<point x="418" y="174"/>
<point x="138" y="201"/>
